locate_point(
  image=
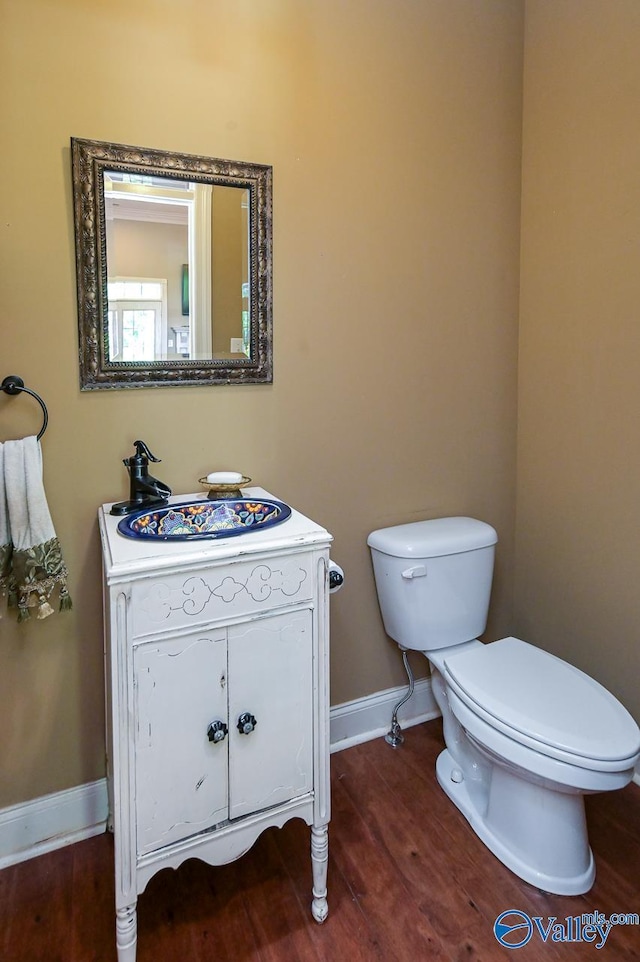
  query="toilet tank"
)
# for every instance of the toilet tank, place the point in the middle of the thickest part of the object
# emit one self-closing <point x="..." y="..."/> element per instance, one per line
<point x="434" y="580"/>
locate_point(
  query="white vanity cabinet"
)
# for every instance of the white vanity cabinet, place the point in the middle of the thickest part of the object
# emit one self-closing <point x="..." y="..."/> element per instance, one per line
<point x="217" y="699"/>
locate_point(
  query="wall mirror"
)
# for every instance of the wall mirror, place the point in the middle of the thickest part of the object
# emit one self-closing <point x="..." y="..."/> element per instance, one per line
<point x="174" y="269"/>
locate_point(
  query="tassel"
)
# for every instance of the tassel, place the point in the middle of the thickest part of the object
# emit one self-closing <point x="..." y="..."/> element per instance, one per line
<point x="44" y="610"/>
<point x="23" y="614"/>
<point x="66" y="603"/>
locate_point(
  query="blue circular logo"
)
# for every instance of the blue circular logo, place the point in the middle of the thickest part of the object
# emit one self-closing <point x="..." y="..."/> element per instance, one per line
<point x="513" y="929"/>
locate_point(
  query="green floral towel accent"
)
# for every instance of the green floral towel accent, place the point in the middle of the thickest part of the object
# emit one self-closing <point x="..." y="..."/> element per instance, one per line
<point x="31" y="565"/>
<point x="36" y="572"/>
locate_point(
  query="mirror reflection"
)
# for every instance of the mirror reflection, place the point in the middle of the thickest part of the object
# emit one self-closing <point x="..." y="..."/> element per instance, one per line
<point x="174" y="267"/>
<point x="177" y="269"/>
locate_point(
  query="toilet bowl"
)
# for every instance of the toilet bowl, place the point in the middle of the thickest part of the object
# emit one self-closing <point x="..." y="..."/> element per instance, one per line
<point x="526" y="734"/>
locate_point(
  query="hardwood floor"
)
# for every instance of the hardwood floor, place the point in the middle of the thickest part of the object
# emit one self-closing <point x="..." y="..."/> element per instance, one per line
<point x="408" y="881"/>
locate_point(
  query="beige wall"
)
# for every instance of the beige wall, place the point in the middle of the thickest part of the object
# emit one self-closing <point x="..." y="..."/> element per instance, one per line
<point x="578" y="529"/>
<point x="394" y="134"/>
<point x="229" y="242"/>
<point x="137" y="248"/>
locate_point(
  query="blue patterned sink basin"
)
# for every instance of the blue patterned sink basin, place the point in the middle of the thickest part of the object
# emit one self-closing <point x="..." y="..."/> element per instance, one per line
<point x="194" y="520"/>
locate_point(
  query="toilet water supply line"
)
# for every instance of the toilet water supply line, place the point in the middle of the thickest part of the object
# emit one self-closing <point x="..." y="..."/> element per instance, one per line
<point x="394" y="736"/>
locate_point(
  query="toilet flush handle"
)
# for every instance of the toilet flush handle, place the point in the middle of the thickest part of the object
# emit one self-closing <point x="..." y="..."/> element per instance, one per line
<point x="418" y="571"/>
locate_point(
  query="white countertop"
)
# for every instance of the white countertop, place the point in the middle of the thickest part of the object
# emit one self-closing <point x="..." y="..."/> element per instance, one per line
<point x="124" y="557"/>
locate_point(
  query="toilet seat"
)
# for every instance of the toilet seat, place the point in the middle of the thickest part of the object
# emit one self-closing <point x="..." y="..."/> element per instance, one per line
<point x="545" y="704"/>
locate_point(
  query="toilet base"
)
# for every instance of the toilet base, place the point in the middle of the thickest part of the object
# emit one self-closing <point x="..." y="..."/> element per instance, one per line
<point x="538" y="833"/>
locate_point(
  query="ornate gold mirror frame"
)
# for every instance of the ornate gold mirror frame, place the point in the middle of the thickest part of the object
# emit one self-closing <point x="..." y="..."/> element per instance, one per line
<point x="100" y="367"/>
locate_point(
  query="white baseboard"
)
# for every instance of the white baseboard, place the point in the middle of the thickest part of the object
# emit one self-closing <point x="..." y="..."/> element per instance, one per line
<point x="370" y="717"/>
<point x="44" y="824"/>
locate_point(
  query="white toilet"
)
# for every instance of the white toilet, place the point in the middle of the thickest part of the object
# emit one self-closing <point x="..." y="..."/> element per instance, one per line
<point x="526" y="734"/>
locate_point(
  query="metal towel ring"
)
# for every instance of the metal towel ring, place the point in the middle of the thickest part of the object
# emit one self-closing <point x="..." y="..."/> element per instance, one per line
<point x="13" y="384"/>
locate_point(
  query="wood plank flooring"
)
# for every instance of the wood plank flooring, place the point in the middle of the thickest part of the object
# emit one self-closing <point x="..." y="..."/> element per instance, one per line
<point x="408" y="881"/>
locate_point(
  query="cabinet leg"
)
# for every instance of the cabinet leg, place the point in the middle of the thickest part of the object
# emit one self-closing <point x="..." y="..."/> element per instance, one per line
<point x="319" y="865"/>
<point x="126" y="933"/>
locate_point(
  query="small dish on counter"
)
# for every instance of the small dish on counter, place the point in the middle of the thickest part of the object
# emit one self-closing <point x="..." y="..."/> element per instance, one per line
<point x="219" y="490"/>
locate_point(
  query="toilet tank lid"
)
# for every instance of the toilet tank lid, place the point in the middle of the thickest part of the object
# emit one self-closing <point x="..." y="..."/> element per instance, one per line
<point x="433" y="539"/>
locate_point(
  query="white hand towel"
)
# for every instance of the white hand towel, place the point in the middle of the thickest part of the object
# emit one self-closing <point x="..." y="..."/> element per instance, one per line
<point x="6" y="548"/>
<point x="36" y="565"/>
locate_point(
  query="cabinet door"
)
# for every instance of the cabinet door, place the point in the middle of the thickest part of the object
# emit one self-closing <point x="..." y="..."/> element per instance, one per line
<point x="181" y="777"/>
<point x="271" y="678"/>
